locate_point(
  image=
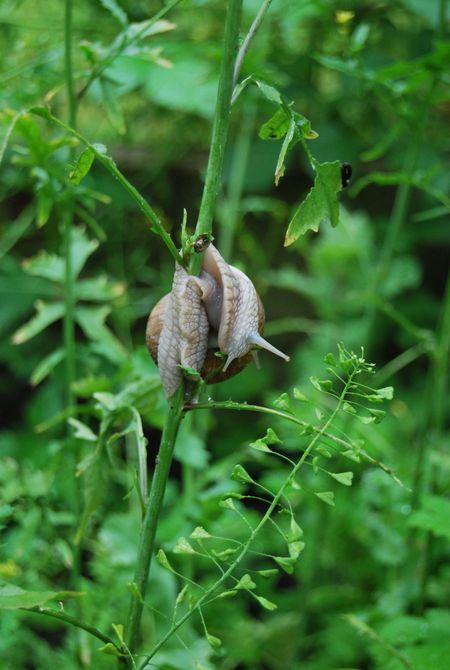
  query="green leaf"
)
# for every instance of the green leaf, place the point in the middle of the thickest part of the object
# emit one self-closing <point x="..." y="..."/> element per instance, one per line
<point x="92" y="322"/>
<point x="271" y="572"/>
<point x="183" y="547"/>
<point x="268" y="91"/>
<point x="298" y="395"/>
<point x="326" y="496"/>
<point x="13" y="597"/>
<point x="295" y="549"/>
<point x="267" y="604"/>
<point x="110" y="649"/>
<point x="46" y="365"/>
<point x="82" y="431"/>
<point x="320" y="205"/>
<point x="200" y="533"/>
<point x="240" y="474"/>
<point x="215" y="642"/>
<point x="330" y="359"/>
<point x="245" y="582"/>
<point x="163" y="560"/>
<point x="433" y="516"/>
<point x="46" y="315"/>
<point x="276" y="127"/>
<point x="114" y="8"/>
<point x="344" y="478"/>
<point x="112" y="106"/>
<point x="295" y="532"/>
<point x="48" y="266"/>
<point x="82" y="166"/>
<point x="286" y="562"/>
<point x="289" y="141"/>
<point x="283" y="402"/>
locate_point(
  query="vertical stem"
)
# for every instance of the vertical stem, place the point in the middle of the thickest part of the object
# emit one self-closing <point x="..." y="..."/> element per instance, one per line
<point x="152" y="511"/>
<point x="220" y="126"/>
<point x="69" y="320"/>
<point x="171" y="426"/>
<point x="230" y="214"/>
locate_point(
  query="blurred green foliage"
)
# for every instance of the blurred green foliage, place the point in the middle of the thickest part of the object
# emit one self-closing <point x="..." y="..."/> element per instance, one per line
<point x="370" y="588"/>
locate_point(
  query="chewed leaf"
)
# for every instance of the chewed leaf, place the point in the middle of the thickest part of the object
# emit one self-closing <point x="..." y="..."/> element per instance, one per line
<point x="13" y="597"/>
<point x="276" y="127"/>
<point x="321" y="203"/>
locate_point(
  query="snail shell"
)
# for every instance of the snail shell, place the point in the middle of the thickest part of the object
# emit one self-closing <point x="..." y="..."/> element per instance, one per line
<point x="221" y="302"/>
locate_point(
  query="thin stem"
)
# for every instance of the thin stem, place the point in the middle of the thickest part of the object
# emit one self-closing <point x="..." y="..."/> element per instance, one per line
<point x="70" y="88"/>
<point x="273" y="505"/>
<point x="248" y="39"/>
<point x="73" y="621"/>
<point x="152" y="512"/>
<point x="220" y="126"/>
<point x="110" y="165"/>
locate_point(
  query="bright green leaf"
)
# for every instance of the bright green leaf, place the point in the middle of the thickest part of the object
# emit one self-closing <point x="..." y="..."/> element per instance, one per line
<point x="320" y="205"/>
<point x="13" y="597"/>
<point x="326" y="496"/>
<point x="82" y="166"/>
<point x="344" y="478"/>
<point x="267" y="604"/>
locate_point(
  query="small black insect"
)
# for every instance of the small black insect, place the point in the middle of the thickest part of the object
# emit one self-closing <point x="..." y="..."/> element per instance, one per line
<point x="346" y="173"/>
<point x="201" y="243"/>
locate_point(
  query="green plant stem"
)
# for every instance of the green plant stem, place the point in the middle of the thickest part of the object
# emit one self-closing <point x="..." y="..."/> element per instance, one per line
<point x="244" y="407"/>
<point x="152" y="512"/>
<point x="70" y="88"/>
<point x="112" y="168"/>
<point x="231" y="207"/>
<point x="248" y="39"/>
<point x="220" y="126"/>
<point x="73" y="621"/>
<point x="208" y="596"/>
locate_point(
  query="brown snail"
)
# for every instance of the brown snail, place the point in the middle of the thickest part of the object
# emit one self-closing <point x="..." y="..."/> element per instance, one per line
<point x="217" y="311"/>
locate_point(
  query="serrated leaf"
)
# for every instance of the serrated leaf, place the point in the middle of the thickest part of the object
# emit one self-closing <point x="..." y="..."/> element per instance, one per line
<point x="13" y="597"/>
<point x="326" y="496"/>
<point x="82" y="166"/>
<point x="344" y="478"/>
<point x="267" y="604"/>
<point x="200" y="533"/>
<point x="320" y="205"/>
<point x="82" y="431"/>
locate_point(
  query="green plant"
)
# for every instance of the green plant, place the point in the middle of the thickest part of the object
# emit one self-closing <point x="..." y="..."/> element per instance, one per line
<point x="71" y="509"/>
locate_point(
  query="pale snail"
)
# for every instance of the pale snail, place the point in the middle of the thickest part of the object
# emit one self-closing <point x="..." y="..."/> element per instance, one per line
<point x="217" y="311"/>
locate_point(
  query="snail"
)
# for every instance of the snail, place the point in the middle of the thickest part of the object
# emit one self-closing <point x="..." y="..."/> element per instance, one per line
<point x="217" y="311"/>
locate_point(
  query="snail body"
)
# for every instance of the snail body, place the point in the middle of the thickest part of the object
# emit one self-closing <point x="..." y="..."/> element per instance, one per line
<point x="222" y="302"/>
